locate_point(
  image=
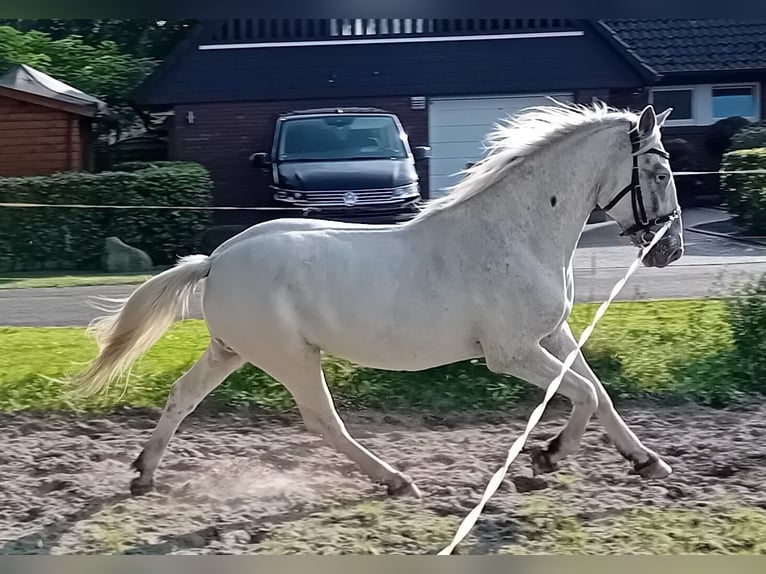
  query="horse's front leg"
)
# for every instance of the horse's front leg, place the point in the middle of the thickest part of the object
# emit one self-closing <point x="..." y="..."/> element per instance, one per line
<point x="538" y="366"/>
<point x="645" y="462"/>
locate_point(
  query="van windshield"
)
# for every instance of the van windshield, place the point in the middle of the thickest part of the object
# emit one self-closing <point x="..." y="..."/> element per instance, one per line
<point x="346" y="137"/>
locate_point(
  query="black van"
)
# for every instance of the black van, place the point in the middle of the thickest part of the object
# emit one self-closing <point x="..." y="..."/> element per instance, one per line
<point x="344" y="163"/>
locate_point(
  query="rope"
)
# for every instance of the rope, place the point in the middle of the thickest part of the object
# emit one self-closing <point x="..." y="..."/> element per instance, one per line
<point x="494" y="483"/>
<point x="304" y="210"/>
<point x="747" y="171"/>
<point x="170" y="207"/>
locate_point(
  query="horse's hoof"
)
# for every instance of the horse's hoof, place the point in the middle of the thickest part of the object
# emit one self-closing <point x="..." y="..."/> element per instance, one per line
<point x="541" y="461"/>
<point x="138" y="464"/>
<point x="138" y="488"/>
<point x="654" y="468"/>
<point x="405" y="486"/>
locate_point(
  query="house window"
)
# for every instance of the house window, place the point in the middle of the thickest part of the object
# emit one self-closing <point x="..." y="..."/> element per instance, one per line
<point x="734" y="101"/>
<point x="705" y="104"/>
<point x="679" y="100"/>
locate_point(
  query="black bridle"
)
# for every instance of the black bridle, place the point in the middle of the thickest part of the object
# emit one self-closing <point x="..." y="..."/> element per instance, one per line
<point x="641" y="223"/>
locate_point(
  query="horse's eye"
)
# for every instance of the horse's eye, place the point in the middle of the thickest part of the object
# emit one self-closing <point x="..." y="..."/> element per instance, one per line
<point x="662" y="177"/>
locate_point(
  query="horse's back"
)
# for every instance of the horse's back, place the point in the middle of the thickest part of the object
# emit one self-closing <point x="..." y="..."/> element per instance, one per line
<point x="290" y="224"/>
<point x="298" y="257"/>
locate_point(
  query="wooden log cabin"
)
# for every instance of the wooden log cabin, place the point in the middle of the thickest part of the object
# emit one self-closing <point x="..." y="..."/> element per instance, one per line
<point x="46" y="126"/>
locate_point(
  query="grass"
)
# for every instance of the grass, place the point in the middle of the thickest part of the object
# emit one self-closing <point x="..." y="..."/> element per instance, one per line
<point x="39" y="279"/>
<point x="639" y="349"/>
<point x="714" y="529"/>
<point x="109" y="533"/>
<point x="377" y="527"/>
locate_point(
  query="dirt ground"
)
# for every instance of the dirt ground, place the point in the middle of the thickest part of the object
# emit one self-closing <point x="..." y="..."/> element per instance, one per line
<point x="252" y="483"/>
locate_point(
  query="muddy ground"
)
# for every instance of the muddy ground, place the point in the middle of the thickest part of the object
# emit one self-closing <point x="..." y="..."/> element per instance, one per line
<point x="252" y="483"/>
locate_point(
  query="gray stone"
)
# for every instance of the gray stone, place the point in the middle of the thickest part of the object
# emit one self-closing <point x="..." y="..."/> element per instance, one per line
<point x="119" y="257"/>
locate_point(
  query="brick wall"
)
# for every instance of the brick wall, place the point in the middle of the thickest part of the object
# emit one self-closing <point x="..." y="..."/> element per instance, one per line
<point x="223" y="135"/>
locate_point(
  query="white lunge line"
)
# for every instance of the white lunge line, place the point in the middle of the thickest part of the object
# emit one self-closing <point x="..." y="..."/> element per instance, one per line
<point x="494" y="483"/>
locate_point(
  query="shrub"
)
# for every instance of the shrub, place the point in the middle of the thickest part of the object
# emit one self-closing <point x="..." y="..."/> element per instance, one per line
<point x="749" y="137"/>
<point x="682" y="159"/>
<point x="72" y="238"/>
<point x="678" y="148"/>
<point x="139" y="165"/>
<point x="718" y="136"/>
<point x="747" y="318"/>
<point x="746" y="192"/>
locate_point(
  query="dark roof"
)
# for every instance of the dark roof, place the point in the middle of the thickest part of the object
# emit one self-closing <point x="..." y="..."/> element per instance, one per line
<point x="26" y="79"/>
<point x="430" y="68"/>
<point x="687" y="46"/>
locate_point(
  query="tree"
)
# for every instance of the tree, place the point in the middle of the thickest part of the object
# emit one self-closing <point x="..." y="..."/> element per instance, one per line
<point x="143" y="38"/>
<point x="102" y="70"/>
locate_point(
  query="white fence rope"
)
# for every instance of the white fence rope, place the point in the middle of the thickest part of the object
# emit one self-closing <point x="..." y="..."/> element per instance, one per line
<point x="494" y="483"/>
<point x="166" y="207"/>
<point x="305" y="210"/>
<point x="685" y="173"/>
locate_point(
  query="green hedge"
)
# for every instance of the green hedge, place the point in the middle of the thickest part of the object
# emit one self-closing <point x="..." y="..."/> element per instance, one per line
<point x="747" y="317"/>
<point x="33" y="239"/>
<point x="749" y="137"/>
<point x="746" y="192"/>
<point x="139" y="165"/>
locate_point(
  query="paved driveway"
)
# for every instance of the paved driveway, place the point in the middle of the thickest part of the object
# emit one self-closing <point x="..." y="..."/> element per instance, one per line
<point x="711" y="266"/>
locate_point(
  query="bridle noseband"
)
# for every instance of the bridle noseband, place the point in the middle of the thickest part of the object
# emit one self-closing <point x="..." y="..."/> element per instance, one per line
<point x="641" y="223"/>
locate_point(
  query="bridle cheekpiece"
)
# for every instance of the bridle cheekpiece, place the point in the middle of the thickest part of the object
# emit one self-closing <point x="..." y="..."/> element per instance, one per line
<point x="641" y="223"/>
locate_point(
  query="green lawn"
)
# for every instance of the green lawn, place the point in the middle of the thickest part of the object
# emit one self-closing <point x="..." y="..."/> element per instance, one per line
<point x="664" y="348"/>
<point x="710" y="529"/>
<point x="537" y="527"/>
<point x="74" y="279"/>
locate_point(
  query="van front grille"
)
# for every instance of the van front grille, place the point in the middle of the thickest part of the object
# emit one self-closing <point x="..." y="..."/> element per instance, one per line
<point x="337" y="198"/>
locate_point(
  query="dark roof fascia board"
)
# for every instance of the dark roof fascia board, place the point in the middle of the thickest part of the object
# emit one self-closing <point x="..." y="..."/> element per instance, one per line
<point x="148" y="94"/>
<point x="713" y="77"/>
<point x="649" y="74"/>
<point x="141" y="94"/>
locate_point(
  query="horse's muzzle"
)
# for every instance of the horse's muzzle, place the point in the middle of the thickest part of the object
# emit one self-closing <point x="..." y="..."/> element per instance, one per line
<point x="667" y="250"/>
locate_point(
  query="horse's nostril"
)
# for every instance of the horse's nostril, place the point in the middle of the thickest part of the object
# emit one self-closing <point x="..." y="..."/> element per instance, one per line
<point x="676" y="254"/>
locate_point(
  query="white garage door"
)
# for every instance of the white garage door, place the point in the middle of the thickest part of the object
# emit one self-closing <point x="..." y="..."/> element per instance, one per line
<point x="457" y="129"/>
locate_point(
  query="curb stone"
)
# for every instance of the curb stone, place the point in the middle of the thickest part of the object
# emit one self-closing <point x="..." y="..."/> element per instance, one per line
<point x="748" y="241"/>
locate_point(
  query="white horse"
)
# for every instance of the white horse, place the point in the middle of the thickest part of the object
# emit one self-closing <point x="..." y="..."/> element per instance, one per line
<point x="484" y="272"/>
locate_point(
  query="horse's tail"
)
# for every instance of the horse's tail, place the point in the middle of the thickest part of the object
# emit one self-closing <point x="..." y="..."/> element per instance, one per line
<point x="140" y="320"/>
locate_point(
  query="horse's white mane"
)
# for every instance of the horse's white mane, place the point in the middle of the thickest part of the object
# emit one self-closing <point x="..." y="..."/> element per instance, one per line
<point x="524" y="134"/>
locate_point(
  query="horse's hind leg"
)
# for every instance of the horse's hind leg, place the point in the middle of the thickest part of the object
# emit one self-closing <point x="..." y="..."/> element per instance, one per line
<point x="206" y="374"/>
<point x="301" y="373"/>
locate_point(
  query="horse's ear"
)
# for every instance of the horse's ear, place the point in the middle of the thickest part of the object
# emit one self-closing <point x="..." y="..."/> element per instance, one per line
<point x="647" y="121"/>
<point x="663" y="116"/>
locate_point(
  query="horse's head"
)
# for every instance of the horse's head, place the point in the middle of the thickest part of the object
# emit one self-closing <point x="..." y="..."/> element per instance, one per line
<point x="649" y="200"/>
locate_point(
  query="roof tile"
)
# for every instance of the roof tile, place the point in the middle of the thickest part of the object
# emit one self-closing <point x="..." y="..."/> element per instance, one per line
<point x="673" y="46"/>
